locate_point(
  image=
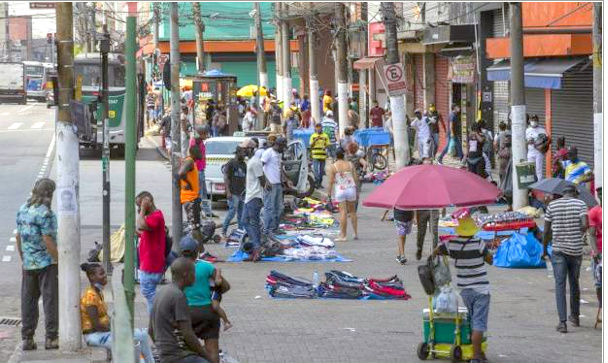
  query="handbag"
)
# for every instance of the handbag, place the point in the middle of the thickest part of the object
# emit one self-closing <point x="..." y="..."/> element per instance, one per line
<point x="425" y="273"/>
<point x="441" y="271"/>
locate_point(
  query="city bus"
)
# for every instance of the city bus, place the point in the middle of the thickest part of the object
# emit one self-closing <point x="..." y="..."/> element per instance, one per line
<point x="36" y="78"/>
<point x="88" y="66"/>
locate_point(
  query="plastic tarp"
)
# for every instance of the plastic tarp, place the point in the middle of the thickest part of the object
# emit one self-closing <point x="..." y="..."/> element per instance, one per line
<point x="538" y="73"/>
<point x="240" y="256"/>
<point x="520" y="251"/>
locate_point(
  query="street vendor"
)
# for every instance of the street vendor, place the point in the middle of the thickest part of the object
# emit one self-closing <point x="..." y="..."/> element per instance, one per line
<point x="469" y="254"/>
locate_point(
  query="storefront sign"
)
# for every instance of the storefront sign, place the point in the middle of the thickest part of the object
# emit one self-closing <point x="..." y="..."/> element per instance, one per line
<point x="395" y="79"/>
<point x="463" y="70"/>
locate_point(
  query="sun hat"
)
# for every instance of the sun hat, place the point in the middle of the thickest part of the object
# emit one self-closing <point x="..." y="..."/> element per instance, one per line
<point x="466" y="224"/>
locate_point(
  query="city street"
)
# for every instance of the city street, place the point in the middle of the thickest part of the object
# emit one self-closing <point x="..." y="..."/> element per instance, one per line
<point x="522" y="315"/>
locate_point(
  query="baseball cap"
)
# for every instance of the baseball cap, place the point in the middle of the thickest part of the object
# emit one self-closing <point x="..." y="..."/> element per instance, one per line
<point x="329" y="113"/>
<point x="188" y="244"/>
<point x="281" y="140"/>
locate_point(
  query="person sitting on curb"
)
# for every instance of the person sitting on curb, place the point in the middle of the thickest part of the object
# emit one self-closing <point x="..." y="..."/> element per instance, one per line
<point x="94" y="314"/>
<point x="469" y="254"/>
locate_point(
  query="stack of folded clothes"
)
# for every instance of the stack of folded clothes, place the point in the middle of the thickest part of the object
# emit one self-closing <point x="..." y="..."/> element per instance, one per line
<point x="281" y="285"/>
<point x="337" y="285"/>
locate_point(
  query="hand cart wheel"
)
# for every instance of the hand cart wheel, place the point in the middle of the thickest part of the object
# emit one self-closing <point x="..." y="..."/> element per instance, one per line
<point x="456" y="353"/>
<point x="423" y="351"/>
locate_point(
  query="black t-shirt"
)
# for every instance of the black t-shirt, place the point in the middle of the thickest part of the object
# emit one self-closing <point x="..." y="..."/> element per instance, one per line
<point x="403" y="215"/>
<point x="236" y="171"/>
<point x="434" y="127"/>
<point x="166" y="125"/>
<point x="455" y="124"/>
<point x="170" y="307"/>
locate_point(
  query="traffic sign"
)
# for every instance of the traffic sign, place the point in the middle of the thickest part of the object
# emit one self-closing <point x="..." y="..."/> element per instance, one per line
<point x="395" y="79"/>
<point x="162" y="59"/>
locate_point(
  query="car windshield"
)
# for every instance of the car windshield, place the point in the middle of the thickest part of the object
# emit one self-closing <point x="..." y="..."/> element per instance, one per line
<point x="216" y="147"/>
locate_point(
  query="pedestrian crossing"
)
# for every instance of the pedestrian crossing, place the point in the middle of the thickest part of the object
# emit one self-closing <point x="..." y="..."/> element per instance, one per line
<point x="22" y="126"/>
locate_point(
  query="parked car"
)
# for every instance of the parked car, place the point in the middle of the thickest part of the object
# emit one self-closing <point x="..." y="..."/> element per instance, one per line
<point x="219" y="150"/>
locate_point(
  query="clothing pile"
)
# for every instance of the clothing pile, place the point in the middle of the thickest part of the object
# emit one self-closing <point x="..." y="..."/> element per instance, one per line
<point x="282" y="286"/>
<point x="503" y="220"/>
<point x="337" y="285"/>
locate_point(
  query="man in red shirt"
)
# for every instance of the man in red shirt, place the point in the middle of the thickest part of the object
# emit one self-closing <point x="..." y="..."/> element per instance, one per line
<point x="377" y="115"/>
<point x="152" y="241"/>
<point x="595" y="240"/>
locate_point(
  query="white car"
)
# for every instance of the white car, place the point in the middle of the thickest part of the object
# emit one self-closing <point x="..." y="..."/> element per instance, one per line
<point x="219" y="150"/>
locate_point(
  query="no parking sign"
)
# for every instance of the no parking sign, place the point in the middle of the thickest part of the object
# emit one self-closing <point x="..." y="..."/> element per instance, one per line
<point x="395" y="79"/>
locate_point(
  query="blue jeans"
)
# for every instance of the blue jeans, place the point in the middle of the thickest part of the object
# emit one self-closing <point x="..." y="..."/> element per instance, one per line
<point x="202" y="187"/>
<point x="331" y="150"/>
<point x="458" y="146"/>
<point x="147" y="285"/>
<point x="435" y="146"/>
<point x="318" y="167"/>
<point x="273" y="199"/>
<point x="570" y="267"/>
<point x="478" y="305"/>
<point x="251" y="221"/>
<point x="235" y="206"/>
<point x="104" y="339"/>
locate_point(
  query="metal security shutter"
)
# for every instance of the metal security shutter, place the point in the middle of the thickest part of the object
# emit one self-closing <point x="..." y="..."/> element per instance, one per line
<point x="573" y="111"/>
<point x="498" y="24"/>
<point x="442" y="97"/>
<point x="535" y="103"/>
<point x="501" y="102"/>
<point x="418" y="82"/>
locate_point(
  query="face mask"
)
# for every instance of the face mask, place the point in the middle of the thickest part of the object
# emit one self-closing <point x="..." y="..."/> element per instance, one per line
<point x="98" y="286"/>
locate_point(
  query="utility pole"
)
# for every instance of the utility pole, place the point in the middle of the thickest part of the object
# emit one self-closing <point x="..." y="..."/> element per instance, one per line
<point x="286" y="54"/>
<point x="104" y="48"/>
<point x="597" y="95"/>
<point x="130" y="150"/>
<point x="262" y="70"/>
<point x="93" y="27"/>
<point x="156" y="8"/>
<point x="402" y="147"/>
<point x="176" y="211"/>
<point x="68" y="180"/>
<point x="278" y="51"/>
<point x="363" y="113"/>
<point x="200" y="29"/>
<point x="518" y="103"/>
<point x="315" y="106"/>
<point x="261" y="58"/>
<point x="341" y="67"/>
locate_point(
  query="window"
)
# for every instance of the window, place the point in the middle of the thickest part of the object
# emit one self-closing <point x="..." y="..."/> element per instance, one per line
<point x="91" y="75"/>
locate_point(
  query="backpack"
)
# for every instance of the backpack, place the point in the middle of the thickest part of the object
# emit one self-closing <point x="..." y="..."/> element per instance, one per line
<point x="542" y="143"/>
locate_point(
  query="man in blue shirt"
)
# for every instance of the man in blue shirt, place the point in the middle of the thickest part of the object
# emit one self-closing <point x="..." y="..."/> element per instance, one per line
<point x="453" y="132"/>
<point x="37" y="247"/>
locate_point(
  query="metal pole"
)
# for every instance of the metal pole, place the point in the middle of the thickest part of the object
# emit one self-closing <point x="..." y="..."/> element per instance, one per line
<point x="286" y="54"/>
<point x="199" y="29"/>
<point x="402" y="147"/>
<point x="597" y="95"/>
<point x="278" y="53"/>
<point x="341" y="68"/>
<point x="176" y="211"/>
<point x="518" y="103"/>
<point x="104" y="47"/>
<point x="261" y="58"/>
<point x="363" y="113"/>
<point x="315" y="106"/>
<point x="68" y="183"/>
<point x="130" y="149"/>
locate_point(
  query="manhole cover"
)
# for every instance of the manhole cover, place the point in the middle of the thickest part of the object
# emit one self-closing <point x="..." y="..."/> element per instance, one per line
<point x="10" y="321"/>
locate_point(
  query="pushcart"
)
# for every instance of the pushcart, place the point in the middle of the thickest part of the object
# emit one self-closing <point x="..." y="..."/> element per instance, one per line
<point x="446" y="335"/>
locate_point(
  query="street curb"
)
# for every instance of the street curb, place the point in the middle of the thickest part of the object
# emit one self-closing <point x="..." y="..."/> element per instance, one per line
<point x="159" y="149"/>
<point x="17" y="354"/>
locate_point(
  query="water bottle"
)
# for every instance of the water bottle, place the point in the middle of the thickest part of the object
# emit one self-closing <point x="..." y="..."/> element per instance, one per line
<point x="549" y="267"/>
<point x="315" y="280"/>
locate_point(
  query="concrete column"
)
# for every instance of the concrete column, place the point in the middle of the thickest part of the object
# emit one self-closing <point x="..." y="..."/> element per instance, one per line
<point x="428" y="63"/>
<point x="408" y="65"/>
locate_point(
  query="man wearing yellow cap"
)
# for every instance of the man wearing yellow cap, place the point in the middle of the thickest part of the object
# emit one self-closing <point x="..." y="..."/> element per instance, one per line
<point x="469" y="254"/>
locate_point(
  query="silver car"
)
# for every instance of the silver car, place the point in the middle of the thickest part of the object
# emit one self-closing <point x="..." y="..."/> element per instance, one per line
<point x="219" y="150"/>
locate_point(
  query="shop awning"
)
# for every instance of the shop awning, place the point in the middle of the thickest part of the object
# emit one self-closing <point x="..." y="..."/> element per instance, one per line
<point x="538" y="73"/>
<point x="367" y="62"/>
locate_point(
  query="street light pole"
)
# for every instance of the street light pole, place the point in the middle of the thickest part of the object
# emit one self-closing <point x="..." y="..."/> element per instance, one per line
<point x="68" y="183"/>
<point x="286" y="54"/>
<point x="104" y="47"/>
<point x="342" y="68"/>
<point x="315" y="106"/>
<point x="597" y="95"/>
<point x="518" y="103"/>
<point x="199" y="28"/>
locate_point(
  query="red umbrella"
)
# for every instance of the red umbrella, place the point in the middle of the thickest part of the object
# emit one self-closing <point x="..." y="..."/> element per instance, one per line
<point x="432" y="187"/>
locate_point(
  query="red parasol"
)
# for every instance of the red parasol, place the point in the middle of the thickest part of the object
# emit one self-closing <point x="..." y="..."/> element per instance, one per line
<point x="432" y="187"/>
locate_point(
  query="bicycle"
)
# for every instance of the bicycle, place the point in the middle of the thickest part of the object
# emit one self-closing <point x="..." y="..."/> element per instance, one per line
<point x="377" y="157"/>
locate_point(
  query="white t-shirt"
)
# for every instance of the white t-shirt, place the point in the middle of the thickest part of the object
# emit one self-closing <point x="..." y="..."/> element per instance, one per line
<point x="532" y="134"/>
<point x="255" y="170"/>
<point x="248" y="121"/>
<point x="272" y="165"/>
<point x="422" y="129"/>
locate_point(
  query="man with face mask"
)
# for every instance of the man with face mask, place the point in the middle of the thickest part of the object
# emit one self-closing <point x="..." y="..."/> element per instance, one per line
<point x="235" y="172"/>
<point x="423" y="135"/>
<point x="533" y="134"/>
<point x="273" y="190"/>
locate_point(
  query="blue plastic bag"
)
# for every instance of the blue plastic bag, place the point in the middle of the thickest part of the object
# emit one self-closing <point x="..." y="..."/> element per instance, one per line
<point x="520" y="251"/>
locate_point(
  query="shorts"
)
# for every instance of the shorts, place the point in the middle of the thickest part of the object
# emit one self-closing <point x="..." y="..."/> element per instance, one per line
<point x="193" y="213"/>
<point x="403" y="228"/>
<point x="216" y="295"/>
<point x="168" y="142"/>
<point x="205" y="322"/>
<point x="345" y="195"/>
<point x="276" y="128"/>
<point x="478" y="305"/>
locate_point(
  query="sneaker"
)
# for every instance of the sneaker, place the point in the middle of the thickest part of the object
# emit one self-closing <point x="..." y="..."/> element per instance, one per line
<point x="574" y="320"/>
<point x="51" y="343"/>
<point x="562" y="327"/>
<point x="29" y="344"/>
<point x="419" y="254"/>
<point x="439" y="161"/>
<point x="401" y="259"/>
